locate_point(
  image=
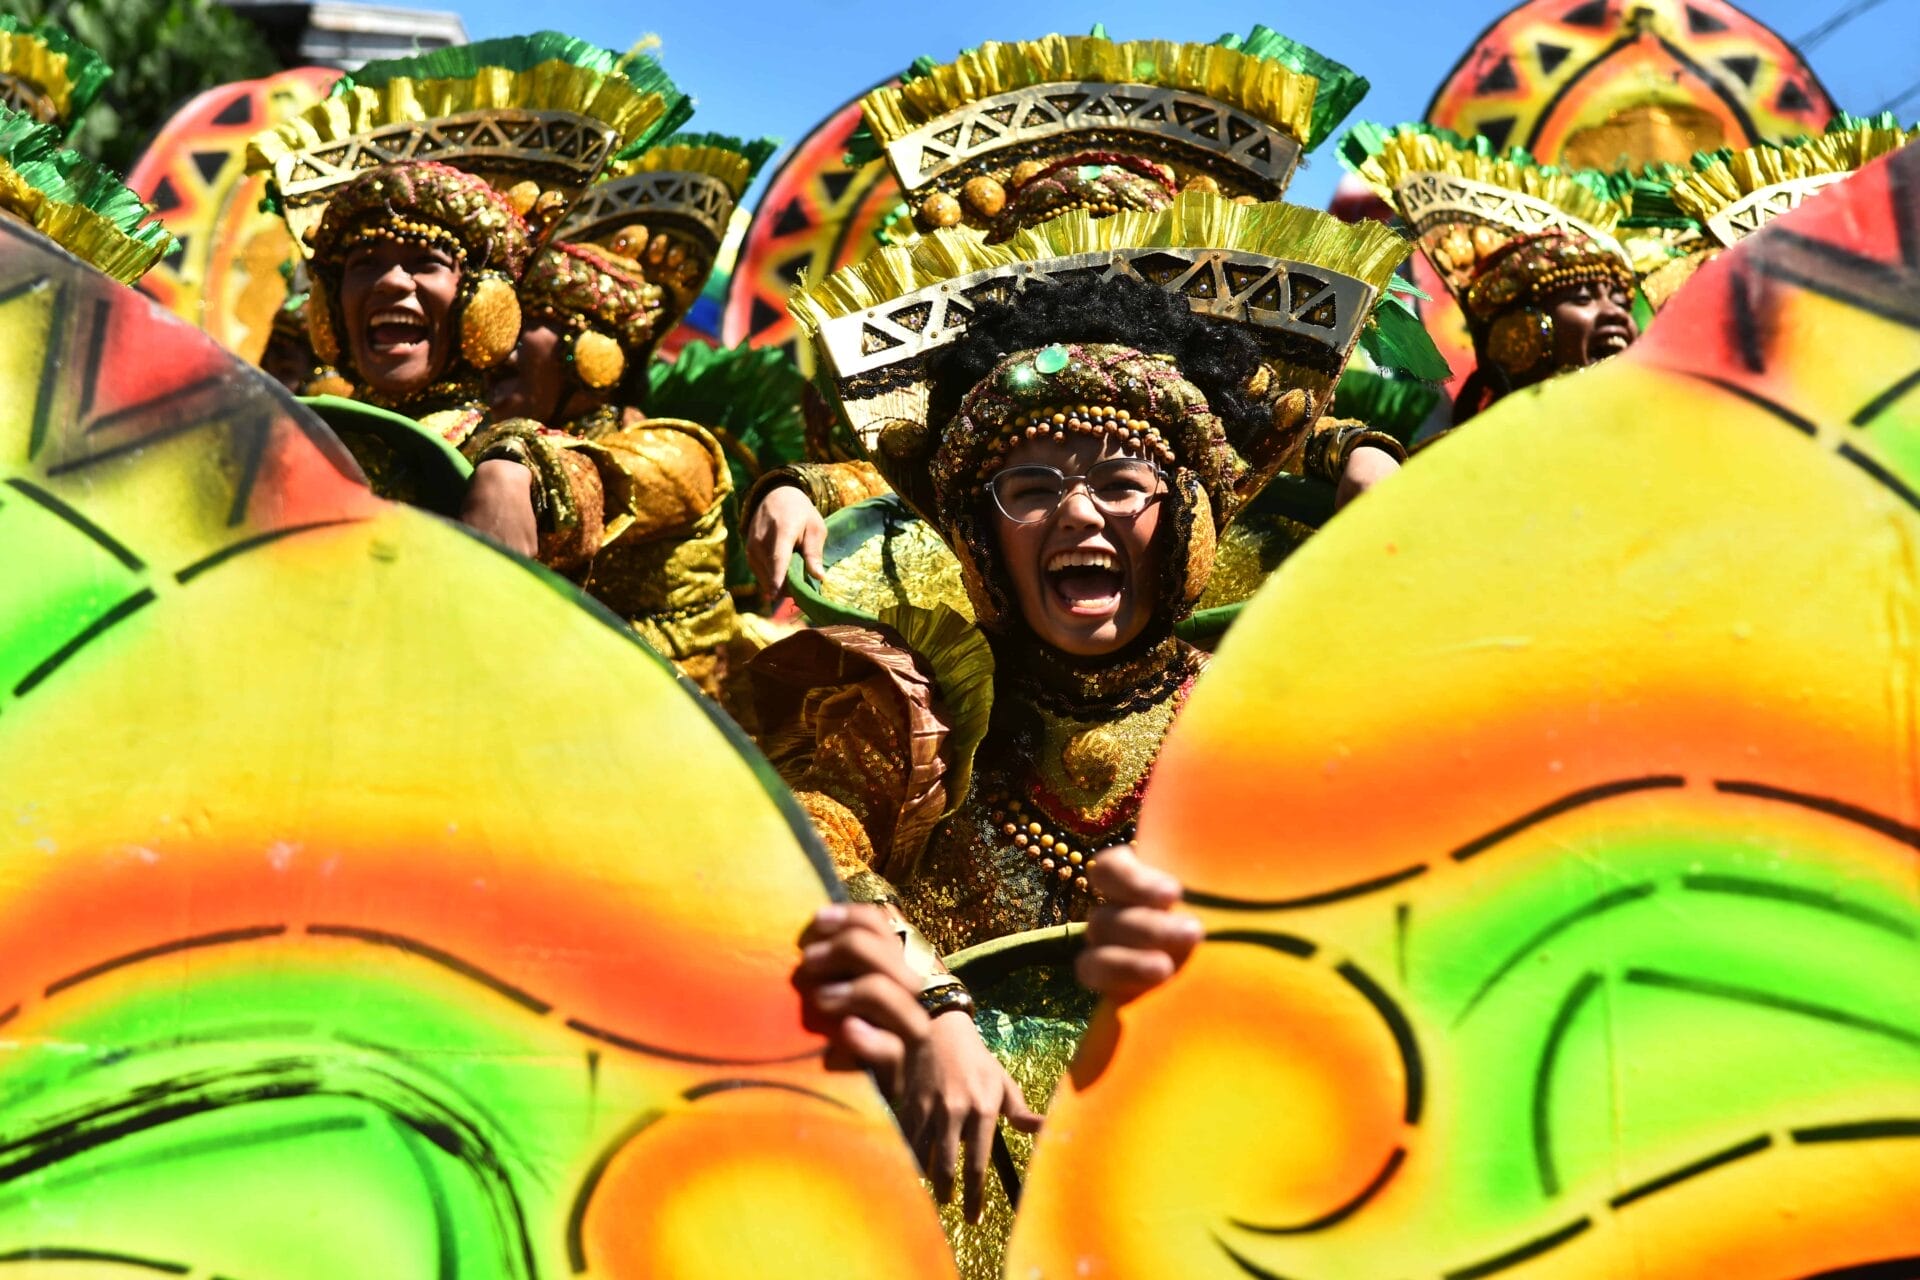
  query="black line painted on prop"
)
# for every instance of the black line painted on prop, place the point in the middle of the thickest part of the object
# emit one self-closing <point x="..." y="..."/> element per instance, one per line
<point x="446" y="1242"/>
<point x="221" y="938"/>
<point x="259" y="540"/>
<point x="1825" y="804"/>
<point x="1768" y="1000"/>
<point x="1005" y="1168"/>
<point x="1893" y="395"/>
<point x="93" y="532"/>
<point x="1339" y="1215"/>
<point x="1773" y="407"/>
<point x="1687" y="1172"/>
<point x="88" y="634"/>
<point x="1907" y="1268"/>
<point x="712" y="1087"/>
<point x="96" y="354"/>
<point x="1403" y="1036"/>
<point x="1247" y="1265"/>
<point x="1599" y="906"/>
<point x="1813" y="899"/>
<point x="1286" y="943"/>
<point x="619" y="1041"/>
<point x="1900" y="488"/>
<point x="49" y="367"/>
<point x="58" y="1253"/>
<point x="257" y="431"/>
<point x="1563" y="1019"/>
<point x="427" y="951"/>
<point x="1858" y="1131"/>
<point x="1525" y="1253"/>
<point x="577" y="1214"/>
<point x="1566" y="804"/>
<point x="1222" y="902"/>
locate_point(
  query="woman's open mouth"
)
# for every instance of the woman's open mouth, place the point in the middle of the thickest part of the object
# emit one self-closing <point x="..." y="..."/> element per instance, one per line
<point x="1087" y="583"/>
<point x="393" y="329"/>
<point x="1611" y="342"/>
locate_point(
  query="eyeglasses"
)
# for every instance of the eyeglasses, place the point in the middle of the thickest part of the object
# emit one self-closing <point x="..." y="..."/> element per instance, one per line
<point x="1120" y="487"/>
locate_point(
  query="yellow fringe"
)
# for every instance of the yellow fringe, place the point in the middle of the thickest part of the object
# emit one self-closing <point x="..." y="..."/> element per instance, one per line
<point x="1409" y="153"/>
<point x="1281" y="97"/>
<point x="77" y="229"/>
<point x="25" y="58"/>
<point x="729" y="167"/>
<point x="1703" y="193"/>
<point x="1367" y="251"/>
<point x="551" y="86"/>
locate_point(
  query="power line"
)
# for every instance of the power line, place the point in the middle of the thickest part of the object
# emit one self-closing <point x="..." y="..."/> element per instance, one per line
<point x="1834" y="23"/>
<point x="1900" y="99"/>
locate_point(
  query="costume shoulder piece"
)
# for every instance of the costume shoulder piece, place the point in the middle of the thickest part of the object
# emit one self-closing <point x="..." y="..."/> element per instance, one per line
<point x="1304" y="283"/>
<point x="1010" y="133"/>
<point x="80" y="206"/>
<point x="537" y="116"/>
<point x="47" y="74"/>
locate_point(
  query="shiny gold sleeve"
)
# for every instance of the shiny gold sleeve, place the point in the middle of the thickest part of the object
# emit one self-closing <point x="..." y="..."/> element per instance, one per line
<point x="659" y="480"/>
<point x="568" y="498"/>
<point x="830" y="486"/>
<point x="1330" y="442"/>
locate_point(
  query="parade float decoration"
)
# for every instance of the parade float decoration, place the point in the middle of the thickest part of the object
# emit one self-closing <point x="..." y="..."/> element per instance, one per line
<point x="1573" y="932"/>
<point x="373" y="903"/>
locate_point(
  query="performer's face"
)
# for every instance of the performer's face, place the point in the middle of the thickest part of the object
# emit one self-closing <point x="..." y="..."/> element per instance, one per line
<point x="397" y="301"/>
<point x="1591" y="321"/>
<point x="1087" y="582"/>
<point x="533" y="383"/>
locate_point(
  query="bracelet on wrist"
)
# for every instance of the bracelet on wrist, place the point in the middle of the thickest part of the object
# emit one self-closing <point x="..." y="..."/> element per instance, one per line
<point x="950" y="997"/>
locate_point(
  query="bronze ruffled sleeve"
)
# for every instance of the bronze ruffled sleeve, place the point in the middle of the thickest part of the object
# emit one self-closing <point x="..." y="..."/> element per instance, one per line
<point x="568" y="498"/>
<point x="851" y="719"/>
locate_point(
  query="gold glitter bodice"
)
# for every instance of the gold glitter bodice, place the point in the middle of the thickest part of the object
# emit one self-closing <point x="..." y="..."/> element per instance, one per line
<point x="1064" y="782"/>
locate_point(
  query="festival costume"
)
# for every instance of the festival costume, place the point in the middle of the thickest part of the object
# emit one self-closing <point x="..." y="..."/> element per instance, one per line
<point x="1011" y="135"/>
<point x="481" y="150"/>
<point x="654" y="537"/>
<point x="964" y="771"/>
<point x="80" y="206"/>
<point x="1504" y="233"/>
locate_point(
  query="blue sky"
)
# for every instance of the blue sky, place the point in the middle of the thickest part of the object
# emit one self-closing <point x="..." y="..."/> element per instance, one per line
<point x="779" y="66"/>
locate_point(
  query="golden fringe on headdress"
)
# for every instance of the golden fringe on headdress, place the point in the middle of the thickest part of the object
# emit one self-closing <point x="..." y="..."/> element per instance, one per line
<point x="729" y="167"/>
<point x="1407" y="152"/>
<point x="551" y="86"/>
<point x="27" y="56"/>
<point x="1367" y="251"/>
<point x="1703" y="192"/>
<point x="1260" y="87"/>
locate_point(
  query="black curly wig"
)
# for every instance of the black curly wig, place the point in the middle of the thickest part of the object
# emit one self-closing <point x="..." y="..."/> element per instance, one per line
<point x="1217" y="357"/>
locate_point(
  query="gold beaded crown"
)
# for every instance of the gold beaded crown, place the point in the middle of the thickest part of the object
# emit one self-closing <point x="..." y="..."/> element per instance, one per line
<point x="47" y="74"/>
<point x="1303" y="282"/>
<point x="968" y="140"/>
<point x="538" y="117"/>
<point x="1474" y="210"/>
<point x="668" y="208"/>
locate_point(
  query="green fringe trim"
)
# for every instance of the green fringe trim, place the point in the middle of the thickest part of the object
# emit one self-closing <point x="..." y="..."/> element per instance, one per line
<point x="1341" y="88"/>
<point x="87" y="71"/>
<point x="82" y="206"/>
<point x="1366" y="139"/>
<point x="515" y="53"/>
<point x="756" y="152"/>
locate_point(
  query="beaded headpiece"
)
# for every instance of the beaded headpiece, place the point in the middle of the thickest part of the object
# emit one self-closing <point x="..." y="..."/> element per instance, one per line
<point x="80" y="206"/>
<point x="537" y="116"/>
<point x="47" y="74"/>
<point x="604" y="303"/>
<point x="668" y="209"/>
<point x="424" y="202"/>
<point x="1008" y="135"/>
<point x="1301" y="282"/>
<point x="1502" y="231"/>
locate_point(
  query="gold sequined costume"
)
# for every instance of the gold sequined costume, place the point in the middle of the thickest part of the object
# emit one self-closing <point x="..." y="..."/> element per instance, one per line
<point x="503" y="138"/>
<point x="964" y="771"/>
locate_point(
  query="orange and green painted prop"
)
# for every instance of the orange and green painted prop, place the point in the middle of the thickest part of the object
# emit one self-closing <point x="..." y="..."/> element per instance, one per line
<point x="1554" y="817"/>
<point x="368" y="904"/>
